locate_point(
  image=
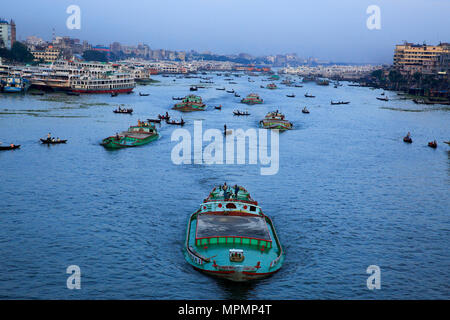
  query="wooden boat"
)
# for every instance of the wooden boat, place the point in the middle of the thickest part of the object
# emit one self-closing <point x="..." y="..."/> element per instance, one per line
<point x="230" y="237"/>
<point x="193" y="88"/>
<point x="154" y="120"/>
<point x="220" y="88"/>
<point x="309" y="96"/>
<point x="241" y="113"/>
<point x="252" y="99"/>
<point x="271" y="86"/>
<point x="304" y="110"/>
<point x="144" y="94"/>
<point x="135" y="136"/>
<point x="127" y="111"/>
<point x="176" y="123"/>
<point x="340" y="102"/>
<point x="218" y="107"/>
<point x="177" y="98"/>
<point x="290" y="95"/>
<point x="298" y="86"/>
<point x="52" y="141"/>
<point x="447" y="142"/>
<point x="407" y="139"/>
<point x="114" y="94"/>
<point x="432" y="144"/>
<point x="383" y="99"/>
<point x="276" y="120"/>
<point x="190" y="103"/>
<point x="237" y="95"/>
<point x="230" y="91"/>
<point x="13" y="147"/>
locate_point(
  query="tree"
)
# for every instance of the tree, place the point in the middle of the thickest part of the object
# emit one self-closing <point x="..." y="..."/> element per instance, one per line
<point x="93" y="55"/>
<point x="21" y="53"/>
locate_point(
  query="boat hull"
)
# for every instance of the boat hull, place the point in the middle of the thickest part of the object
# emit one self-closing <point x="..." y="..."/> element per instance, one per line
<point x="126" y="142"/>
<point x="126" y="90"/>
<point x="236" y="276"/>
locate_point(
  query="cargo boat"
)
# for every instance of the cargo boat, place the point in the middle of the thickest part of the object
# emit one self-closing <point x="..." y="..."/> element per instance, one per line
<point x="252" y="98"/>
<point x="275" y="120"/>
<point x="230" y="237"/>
<point x="135" y="136"/>
<point x="190" y="103"/>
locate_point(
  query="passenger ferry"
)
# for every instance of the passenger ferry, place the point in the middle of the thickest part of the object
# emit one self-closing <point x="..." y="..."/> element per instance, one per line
<point x="276" y="120"/>
<point x="190" y="103"/>
<point x="230" y="237"/>
<point x="116" y="83"/>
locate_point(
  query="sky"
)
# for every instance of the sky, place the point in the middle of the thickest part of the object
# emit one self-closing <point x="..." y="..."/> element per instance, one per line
<point x="333" y="30"/>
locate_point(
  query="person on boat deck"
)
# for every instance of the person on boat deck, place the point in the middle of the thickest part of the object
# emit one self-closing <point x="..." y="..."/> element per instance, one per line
<point x="139" y="123"/>
<point x="225" y="130"/>
<point x="236" y="190"/>
<point x="53" y="140"/>
<point x="57" y="139"/>
<point x="12" y="145"/>
<point x="117" y="136"/>
<point x="408" y="135"/>
<point x="49" y="136"/>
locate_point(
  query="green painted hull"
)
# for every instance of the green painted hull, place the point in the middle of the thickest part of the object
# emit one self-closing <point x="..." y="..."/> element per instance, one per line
<point x="127" y="142"/>
<point x="211" y="255"/>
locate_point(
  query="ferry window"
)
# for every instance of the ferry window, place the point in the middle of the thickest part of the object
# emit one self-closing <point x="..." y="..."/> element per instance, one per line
<point x="231" y="206"/>
<point x="252" y="208"/>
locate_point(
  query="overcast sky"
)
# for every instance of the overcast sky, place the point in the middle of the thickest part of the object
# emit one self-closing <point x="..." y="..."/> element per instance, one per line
<point x="327" y="29"/>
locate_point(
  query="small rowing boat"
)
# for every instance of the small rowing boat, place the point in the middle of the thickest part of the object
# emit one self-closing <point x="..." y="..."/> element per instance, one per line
<point x="120" y="110"/>
<point x="52" y="141"/>
<point x="176" y="123"/>
<point x="10" y="147"/>
<point x="241" y="113"/>
<point x="309" y="96"/>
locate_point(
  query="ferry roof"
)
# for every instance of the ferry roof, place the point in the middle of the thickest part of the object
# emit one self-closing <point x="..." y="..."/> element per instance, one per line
<point x="222" y="225"/>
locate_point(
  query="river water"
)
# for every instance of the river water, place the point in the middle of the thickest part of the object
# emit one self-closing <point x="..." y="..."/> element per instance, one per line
<point x="348" y="194"/>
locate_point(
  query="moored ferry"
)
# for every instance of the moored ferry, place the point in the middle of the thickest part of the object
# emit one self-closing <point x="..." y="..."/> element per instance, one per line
<point x="116" y="83"/>
<point x="190" y="103"/>
<point x="252" y="98"/>
<point x="143" y="133"/>
<point x="230" y="237"/>
<point x="275" y="120"/>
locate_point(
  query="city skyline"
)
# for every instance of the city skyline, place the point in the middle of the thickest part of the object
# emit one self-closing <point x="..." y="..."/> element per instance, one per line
<point x="324" y="30"/>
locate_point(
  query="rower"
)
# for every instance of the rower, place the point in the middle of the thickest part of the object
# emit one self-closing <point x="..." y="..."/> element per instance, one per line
<point x="49" y="136"/>
<point x="12" y="145"/>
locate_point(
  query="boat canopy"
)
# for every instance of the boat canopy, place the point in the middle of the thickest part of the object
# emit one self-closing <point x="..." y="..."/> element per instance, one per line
<point x="232" y="229"/>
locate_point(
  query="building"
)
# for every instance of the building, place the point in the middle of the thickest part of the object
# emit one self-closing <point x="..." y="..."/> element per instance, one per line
<point x="7" y="33"/>
<point x="49" y="54"/>
<point x="410" y="58"/>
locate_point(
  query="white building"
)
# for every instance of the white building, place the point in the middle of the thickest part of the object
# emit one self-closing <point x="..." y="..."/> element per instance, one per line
<point x="7" y="33"/>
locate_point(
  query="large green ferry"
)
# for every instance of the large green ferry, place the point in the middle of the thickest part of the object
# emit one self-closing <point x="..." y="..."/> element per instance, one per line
<point x="135" y="136"/>
<point x="190" y="103"/>
<point x="252" y="98"/>
<point x="230" y="237"/>
<point x="275" y="120"/>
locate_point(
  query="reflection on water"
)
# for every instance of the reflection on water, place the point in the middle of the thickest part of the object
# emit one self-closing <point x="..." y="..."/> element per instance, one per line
<point x="349" y="193"/>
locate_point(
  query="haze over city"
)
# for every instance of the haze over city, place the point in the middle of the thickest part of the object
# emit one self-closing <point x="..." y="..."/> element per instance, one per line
<point x="325" y="29"/>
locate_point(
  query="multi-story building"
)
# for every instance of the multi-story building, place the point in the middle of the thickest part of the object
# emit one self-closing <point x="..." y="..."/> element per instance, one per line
<point x="411" y="58"/>
<point x="7" y="33"/>
<point x="49" y="54"/>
